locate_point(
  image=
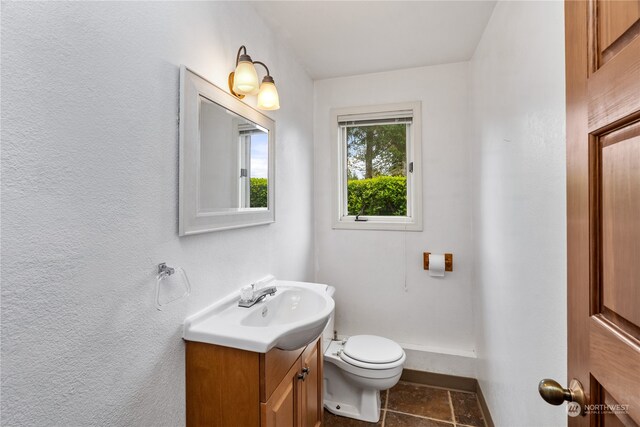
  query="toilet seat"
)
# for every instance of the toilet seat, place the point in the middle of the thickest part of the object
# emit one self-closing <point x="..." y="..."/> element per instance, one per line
<point x="372" y="352"/>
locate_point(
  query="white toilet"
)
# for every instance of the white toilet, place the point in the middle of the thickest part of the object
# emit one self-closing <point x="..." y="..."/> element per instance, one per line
<point x="356" y="369"/>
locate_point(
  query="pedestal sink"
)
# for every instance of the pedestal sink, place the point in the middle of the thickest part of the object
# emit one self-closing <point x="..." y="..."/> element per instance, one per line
<point x="293" y="317"/>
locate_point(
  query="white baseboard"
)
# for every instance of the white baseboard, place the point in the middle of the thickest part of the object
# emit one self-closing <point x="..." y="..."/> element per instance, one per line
<point x="440" y="361"/>
<point x="461" y="363"/>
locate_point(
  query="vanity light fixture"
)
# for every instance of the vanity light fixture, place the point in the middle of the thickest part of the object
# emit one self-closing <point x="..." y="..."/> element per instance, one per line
<point x="244" y="81"/>
<point x="268" y="98"/>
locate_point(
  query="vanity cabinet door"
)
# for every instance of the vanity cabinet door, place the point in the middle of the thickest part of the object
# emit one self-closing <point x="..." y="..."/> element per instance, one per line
<point x="283" y="407"/>
<point x="222" y="386"/>
<point x="230" y="387"/>
<point x="311" y="395"/>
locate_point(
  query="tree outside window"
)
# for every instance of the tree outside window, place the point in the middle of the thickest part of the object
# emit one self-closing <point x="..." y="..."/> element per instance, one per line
<point x="377" y="169"/>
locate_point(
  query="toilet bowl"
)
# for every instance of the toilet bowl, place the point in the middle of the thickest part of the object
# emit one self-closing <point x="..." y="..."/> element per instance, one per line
<point x="355" y="370"/>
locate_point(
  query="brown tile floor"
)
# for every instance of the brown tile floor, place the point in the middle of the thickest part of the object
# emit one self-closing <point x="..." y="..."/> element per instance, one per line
<point x="415" y="405"/>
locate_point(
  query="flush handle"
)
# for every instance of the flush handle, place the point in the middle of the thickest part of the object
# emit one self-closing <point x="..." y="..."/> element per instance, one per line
<point x="553" y="393"/>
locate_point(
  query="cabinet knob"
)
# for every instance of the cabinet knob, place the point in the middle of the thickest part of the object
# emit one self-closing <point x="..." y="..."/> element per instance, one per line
<point x="303" y="375"/>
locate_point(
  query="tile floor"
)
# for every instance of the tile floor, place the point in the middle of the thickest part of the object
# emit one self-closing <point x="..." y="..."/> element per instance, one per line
<point x="416" y="405"/>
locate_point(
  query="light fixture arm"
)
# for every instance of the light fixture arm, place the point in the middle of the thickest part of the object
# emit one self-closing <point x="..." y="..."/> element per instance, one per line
<point x="238" y="56"/>
<point x="264" y="65"/>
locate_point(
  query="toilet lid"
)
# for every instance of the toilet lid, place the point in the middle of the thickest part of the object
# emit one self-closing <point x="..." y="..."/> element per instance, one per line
<point x="372" y="349"/>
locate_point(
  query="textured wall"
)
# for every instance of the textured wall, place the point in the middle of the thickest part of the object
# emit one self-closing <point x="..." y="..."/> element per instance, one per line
<point x="89" y="202"/>
<point x="369" y="268"/>
<point x="519" y="210"/>
<point x="89" y="194"/>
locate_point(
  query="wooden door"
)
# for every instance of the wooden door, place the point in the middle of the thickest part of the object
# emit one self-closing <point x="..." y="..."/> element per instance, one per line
<point x="603" y="207"/>
<point x="311" y="397"/>
<point x="283" y="407"/>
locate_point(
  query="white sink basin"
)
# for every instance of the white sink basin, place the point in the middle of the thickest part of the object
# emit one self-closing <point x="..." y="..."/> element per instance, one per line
<point x="292" y="318"/>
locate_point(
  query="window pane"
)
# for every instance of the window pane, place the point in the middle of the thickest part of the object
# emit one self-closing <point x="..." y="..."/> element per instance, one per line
<point x="376" y="170"/>
<point x="259" y="170"/>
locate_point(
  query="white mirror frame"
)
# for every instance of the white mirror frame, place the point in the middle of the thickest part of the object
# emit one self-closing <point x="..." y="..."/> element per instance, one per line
<point x="190" y="221"/>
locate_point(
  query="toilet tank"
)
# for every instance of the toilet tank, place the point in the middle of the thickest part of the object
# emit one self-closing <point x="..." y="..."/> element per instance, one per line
<point x="327" y="334"/>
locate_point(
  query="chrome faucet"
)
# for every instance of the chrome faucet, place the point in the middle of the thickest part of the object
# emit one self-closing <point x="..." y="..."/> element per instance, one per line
<point x="257" y="296"/>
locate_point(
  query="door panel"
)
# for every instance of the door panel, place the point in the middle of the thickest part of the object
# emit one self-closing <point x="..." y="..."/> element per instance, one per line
<point x="282" y="408"/>
<point x="614" y="89"/>
<point x="274" y="365"/>
<point x="603" y="206"/>
<point x="620" y="233"/>
<point x="617" y="22"/>
<point x="312" y="387"/>
<point x="218" y="378"/>
<point x="615" y="18"/>
<point x="615" y="364"/>
<point x="611" y="420"/>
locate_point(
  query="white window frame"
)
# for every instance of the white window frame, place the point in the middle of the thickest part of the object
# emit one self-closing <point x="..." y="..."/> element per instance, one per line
<point x="244" y="160"/>
<point x="413" y="220"/>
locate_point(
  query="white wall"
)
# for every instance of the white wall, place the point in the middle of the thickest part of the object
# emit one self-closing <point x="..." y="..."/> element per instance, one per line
<point x="89" y="202"/>
<point x="89" y="189"/>
<point x="519" y="210"/>
<point x="368" y="268"/>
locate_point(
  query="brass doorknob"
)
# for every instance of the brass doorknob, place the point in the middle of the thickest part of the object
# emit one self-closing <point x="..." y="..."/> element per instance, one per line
<point x="553" y="393"/>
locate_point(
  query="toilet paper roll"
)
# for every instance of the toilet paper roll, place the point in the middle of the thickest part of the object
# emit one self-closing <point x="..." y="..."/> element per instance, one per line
<point x="436" y="265"/>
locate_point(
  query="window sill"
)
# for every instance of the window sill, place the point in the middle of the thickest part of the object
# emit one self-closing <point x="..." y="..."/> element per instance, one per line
<point x="349" y="223"/>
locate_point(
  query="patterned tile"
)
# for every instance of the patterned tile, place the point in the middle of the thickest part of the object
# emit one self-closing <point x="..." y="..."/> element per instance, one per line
<point x="416" y="405"/>
<point x="395" y="419"/>
<point x="331" y="420"/>
<point x="466" y="409"/>
<point x="420" y="400"/>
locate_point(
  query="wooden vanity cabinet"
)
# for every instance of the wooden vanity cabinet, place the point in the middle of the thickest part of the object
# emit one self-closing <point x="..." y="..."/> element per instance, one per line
<point x="227" y="387"/>
<point x="311" y="396"/>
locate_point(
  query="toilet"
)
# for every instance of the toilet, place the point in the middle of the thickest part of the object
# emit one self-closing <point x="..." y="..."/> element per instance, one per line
<point x="356" y="369"/>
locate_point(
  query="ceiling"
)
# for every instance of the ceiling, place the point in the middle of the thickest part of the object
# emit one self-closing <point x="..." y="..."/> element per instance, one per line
<point x="342" y="38"/>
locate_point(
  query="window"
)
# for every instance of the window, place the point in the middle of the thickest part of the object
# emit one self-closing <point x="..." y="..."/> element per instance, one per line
<point x="377" y="177"/>
<point x="254" y="161"/>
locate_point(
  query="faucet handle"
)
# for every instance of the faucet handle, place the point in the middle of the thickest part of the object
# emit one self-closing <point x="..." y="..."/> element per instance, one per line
<point x="246" y="293"/>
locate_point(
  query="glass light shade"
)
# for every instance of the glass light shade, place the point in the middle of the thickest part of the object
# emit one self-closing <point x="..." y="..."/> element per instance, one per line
<point x="268" y="96"/>
<point x="245" y="79"/>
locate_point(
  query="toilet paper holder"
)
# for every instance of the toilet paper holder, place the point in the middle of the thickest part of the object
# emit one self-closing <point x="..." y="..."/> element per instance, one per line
<point x="448" y="261"/>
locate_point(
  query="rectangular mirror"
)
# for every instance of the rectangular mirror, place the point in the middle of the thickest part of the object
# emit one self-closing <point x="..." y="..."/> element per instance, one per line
<point x="226" y="160"/>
